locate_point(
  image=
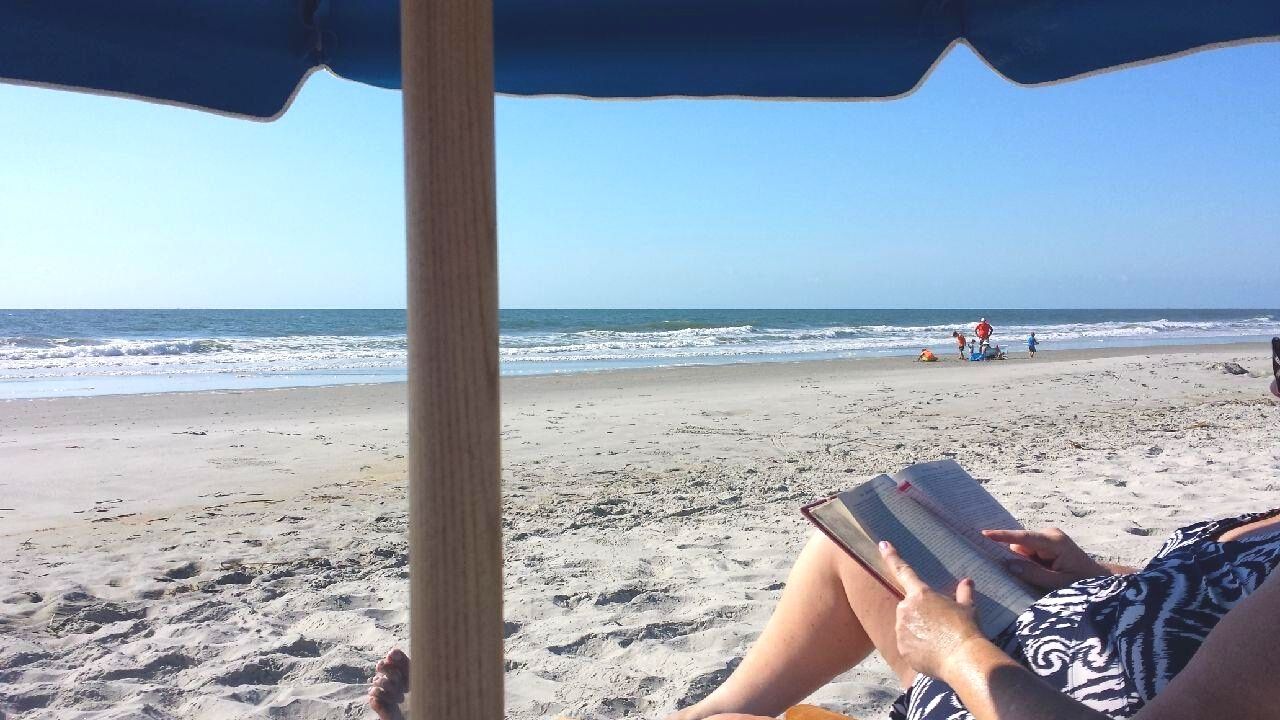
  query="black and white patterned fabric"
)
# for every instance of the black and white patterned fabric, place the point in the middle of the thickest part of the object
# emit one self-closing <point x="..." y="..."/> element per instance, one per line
<point x="1114" y="642"/>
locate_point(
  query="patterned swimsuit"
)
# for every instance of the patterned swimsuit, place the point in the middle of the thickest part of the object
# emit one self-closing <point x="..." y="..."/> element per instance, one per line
<point x="1114" y="642"/>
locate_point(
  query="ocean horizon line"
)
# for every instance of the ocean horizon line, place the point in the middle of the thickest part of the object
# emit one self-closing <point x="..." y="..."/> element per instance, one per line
<point x="672" y="308"/>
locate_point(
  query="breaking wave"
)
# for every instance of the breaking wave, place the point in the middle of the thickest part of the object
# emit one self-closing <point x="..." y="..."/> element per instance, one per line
<point x="579" y="340"/>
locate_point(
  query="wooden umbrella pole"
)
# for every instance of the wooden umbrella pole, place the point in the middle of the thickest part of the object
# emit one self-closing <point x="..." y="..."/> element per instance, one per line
<point x="455" y="536"/>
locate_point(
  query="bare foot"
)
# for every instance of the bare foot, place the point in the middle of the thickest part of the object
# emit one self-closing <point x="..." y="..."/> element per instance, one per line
<point x="680" y="715"/>
<point x="706" y="709"/>
<point x="389" y="685"/>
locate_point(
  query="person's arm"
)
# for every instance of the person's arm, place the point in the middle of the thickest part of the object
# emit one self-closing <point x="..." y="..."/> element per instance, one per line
<point x="993" y="686"/>
<point x="1233" y="675"/>
<point x="1053" y="559"/>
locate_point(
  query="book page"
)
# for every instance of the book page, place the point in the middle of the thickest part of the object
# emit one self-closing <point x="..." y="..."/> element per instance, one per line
<point x="834" y="515"/>
<point x="879" y="511"/>
<point x="950" y="493"/>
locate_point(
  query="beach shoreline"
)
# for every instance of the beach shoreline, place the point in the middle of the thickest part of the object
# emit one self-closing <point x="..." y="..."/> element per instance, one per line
<point x="64" y="353"/>
<point x="229" y="554"/>
<point x="301" y="381"/>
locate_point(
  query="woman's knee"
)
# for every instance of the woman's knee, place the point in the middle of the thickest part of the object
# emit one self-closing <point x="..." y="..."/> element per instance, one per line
<point x="821" y="546"/>
<point x="819" y="557"/>
<point x="823" y="552"/>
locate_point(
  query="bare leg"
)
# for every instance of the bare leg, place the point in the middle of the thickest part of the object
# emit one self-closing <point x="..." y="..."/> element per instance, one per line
<point x="831" y="616"/>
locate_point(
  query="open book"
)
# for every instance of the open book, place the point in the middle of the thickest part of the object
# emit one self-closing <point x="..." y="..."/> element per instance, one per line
<point x="933" y="513"/>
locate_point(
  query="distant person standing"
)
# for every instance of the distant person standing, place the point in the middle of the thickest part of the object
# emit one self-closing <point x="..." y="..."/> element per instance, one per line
<point x="960" y="341"/>
<point x="983" y="331"/>
<point x="1031" y="345"/>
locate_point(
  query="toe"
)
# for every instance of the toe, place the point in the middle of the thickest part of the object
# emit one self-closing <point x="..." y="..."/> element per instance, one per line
<point x="390" y="680"/>
<point x="378" y="705"/>
<point x="401" y="663"/>
<point x="386" y="707"/>
<point x="390" y="690"/>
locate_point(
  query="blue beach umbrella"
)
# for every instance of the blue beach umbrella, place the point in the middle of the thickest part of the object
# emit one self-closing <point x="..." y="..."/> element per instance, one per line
<point x="248" y="58"/>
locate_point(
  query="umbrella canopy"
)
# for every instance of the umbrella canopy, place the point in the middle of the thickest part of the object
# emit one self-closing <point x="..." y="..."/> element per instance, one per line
<point x="249" y="58"/>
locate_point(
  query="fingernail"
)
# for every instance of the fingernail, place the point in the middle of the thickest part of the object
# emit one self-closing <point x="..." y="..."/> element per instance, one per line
<point x="884" y="544"/>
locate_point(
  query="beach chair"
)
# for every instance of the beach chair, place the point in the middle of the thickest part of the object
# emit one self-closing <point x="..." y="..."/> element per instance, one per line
<point x="796" y="712"/>
<point x="812" y="712"/>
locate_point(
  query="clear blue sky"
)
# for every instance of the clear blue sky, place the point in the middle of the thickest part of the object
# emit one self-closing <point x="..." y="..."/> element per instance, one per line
<point x="1158" y="186"/>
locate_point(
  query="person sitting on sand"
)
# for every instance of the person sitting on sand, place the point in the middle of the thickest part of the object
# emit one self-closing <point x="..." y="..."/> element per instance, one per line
<point x="1192" y="635"/>
<point x="960" y="341"/>
<point x="926" y="355"/>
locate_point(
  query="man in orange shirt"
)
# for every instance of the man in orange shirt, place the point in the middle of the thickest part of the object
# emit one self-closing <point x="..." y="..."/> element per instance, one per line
<point x="983" y="331"/>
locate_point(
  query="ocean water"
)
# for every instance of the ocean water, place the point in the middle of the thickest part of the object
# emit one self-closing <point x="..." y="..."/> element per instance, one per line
<point x="89" y="352"/>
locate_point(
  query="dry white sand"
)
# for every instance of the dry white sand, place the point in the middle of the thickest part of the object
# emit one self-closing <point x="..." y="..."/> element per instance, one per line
<point x="228" y="555"/>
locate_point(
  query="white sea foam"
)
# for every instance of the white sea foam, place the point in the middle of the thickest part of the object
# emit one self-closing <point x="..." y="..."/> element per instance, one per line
<point x="37" y="357"/>
<point x="748" y="341"/>
<point x="308" y="353"/>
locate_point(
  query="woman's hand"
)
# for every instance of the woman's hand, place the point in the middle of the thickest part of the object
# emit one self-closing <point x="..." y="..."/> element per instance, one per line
<point x="931" y="628"/>
<point x="1053" y="559"/>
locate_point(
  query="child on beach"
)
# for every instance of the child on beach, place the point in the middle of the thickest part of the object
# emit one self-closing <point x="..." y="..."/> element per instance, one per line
<point x="960" y="341"/>
<point x="1031" y="345"/>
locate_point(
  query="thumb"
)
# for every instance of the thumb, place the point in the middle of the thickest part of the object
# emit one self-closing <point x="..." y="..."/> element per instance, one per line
<point x="1037" y="574"/>
<point x="964" y="592"/>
